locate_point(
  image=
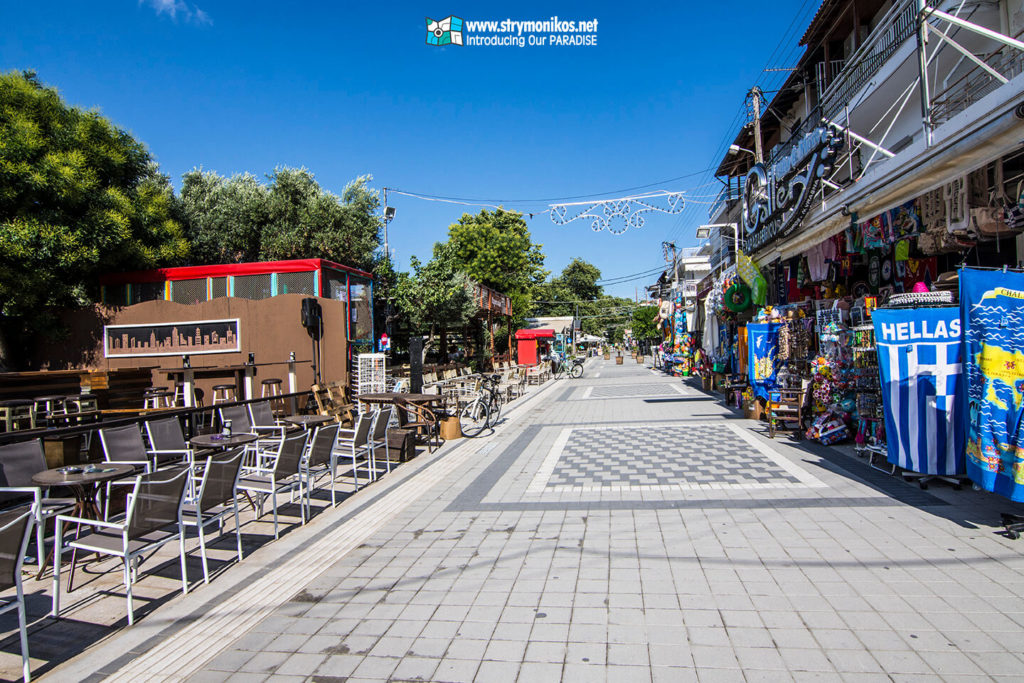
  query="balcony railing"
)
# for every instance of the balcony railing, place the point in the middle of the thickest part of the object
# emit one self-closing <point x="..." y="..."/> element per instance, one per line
<point x="729" y="193"/>
<point x="898" y="25"/>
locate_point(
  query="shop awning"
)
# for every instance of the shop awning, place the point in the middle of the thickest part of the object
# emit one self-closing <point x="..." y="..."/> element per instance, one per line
<point x="535" y="334"/>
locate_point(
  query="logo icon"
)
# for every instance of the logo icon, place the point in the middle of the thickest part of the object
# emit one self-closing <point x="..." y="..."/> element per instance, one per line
<point x="444" y="32"/>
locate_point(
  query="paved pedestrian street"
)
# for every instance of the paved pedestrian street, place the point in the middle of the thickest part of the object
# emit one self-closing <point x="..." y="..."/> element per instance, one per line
<point x="624" y="526"/>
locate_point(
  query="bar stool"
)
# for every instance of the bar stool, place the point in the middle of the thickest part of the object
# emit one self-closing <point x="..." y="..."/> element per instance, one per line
<point x="17" y="414"/>
<point x="270" y="387"/>
<point x="153" y="397"/>
<point x="179" y="394"/>
<point x="223" y="393"/>
<point x="51" y="408"/>
<point x="166" y="398"/>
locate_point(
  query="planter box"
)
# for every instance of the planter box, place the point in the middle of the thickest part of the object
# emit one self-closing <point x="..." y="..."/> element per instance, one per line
<point x="607" y="356"/>
<point x="639" y="359"/>
<point x="618" y="360"/>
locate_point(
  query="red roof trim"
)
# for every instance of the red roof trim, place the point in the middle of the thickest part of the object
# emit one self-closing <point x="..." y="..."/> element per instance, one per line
<point x="535" y="334"/>
<point x="222" y="270"/>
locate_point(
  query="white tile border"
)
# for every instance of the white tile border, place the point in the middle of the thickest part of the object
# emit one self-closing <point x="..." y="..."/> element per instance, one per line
<point x="792" y="468"/>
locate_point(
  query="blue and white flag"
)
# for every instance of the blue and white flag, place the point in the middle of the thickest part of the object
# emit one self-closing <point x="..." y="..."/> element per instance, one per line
<point x="919" y="356"/>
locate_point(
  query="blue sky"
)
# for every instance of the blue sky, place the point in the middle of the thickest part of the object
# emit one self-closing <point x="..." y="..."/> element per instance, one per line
<point x="353" y="90"/>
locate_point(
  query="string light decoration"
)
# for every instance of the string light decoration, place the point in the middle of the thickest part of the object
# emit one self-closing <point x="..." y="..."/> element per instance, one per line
<point x="618" y="215"/>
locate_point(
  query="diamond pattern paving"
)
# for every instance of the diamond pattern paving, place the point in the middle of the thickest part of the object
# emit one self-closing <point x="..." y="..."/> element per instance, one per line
<point x="627" y="390"/>
<point x="641" y="456"/>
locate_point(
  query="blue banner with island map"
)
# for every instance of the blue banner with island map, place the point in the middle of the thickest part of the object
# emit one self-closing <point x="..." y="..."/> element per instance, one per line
<point x="762" y="350"/>
<point x="919" y="358"/>
<point x="992" y="308"/>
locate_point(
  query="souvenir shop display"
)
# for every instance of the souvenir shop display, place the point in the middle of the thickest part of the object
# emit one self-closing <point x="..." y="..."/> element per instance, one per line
<point x="992" y="310"/>
<point x="919" y="355"/>
<point x="870" y="416"/>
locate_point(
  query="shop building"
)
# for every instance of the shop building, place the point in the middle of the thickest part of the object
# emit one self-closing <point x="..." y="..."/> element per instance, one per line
<point x="891" y="156"/>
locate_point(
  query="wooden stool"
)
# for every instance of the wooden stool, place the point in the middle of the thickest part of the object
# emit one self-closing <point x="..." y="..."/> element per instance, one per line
<point x="224" y="393"/>
<point x="17" y="414"/>
<point x="51" y="408"/>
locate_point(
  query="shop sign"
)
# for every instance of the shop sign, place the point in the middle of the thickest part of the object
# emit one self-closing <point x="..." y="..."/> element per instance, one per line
<point x="777" y="197"/>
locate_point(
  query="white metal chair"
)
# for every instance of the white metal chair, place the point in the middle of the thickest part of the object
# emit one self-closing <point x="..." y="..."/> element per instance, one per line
<point x="320" y="459"/>
<point x="15" y="532"/>
<point x="379" y="436"/>
<point x="355" y="444"/>
<point x="152" y="519"/>
<point x="18" y="462"/>
<point x="216" y="498"/>
<point x="284" y="475"/>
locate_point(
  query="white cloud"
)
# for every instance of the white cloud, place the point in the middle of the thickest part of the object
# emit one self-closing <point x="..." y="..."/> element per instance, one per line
<point x="179" y="9"/>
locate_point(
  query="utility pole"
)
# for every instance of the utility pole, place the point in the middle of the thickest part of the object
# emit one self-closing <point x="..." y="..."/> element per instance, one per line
<point x="387" y="254"/>
<point x="922" y="72"/>
<point x="756" y="94"/>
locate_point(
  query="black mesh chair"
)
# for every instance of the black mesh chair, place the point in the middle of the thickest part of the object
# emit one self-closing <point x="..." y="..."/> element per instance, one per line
<point x="152" y="519"/>
<point x="285" y="475"/>
<point x="379" y="435"/>
<point x="167" y="445"/>
<point x="320" y="458"/>
<point x="123" y="445"/>
<point x="269" y="439"/>
<point x="15" y="531"/>
<point x="262" y="418"/>
<point x="216" y="498"/>
<point x="355" y="444"/>
<point x="18" y="462"/>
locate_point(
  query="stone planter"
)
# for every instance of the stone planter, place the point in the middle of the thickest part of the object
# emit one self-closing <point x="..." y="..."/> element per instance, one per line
<point x="618" y="360"/>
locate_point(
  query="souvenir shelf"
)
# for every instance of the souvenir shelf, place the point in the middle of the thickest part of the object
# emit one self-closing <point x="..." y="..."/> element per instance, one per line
<point x="871" y="415"/>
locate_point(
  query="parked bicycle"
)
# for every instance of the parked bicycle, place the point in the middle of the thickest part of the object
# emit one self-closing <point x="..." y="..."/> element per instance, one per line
<point x="571" y="366"/>
<point x="484" y="411"/>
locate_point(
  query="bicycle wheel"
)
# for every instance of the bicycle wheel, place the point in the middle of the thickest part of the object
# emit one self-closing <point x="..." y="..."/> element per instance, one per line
<point x="577" y="371"/>
<point x="495" y="408"/>
<point x="557" y="372"/>
<point x="474" y="418"/>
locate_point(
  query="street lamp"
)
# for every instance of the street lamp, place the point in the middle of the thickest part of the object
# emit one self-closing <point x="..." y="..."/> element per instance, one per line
<point x="704" y="232"/>
<point x="736" y="149"/>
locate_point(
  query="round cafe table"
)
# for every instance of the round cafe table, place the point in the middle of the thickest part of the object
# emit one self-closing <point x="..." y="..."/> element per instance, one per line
<point x="391" y="396"/>
<point x="218" y="441"/>
<point x="84" y="485"/>
<point x="308" y="421"/>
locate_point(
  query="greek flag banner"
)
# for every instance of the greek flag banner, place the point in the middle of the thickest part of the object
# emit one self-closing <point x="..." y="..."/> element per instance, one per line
<point x="919" y="352"/>
<point x="992" y="306"/>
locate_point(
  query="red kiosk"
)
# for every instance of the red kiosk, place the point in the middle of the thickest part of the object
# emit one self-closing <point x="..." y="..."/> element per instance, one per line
<point x="530" y="344"/>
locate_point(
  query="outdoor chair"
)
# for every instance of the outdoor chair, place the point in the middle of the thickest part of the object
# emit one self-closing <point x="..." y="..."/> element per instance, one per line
<point x="167" y="445"/>
<point x="216" y="498"/>
<point x="123" y="445"/>
<point x="379" y="436"/>
<point x="268" y="437"/>
<point x="320" y="459"/>
<point x="355" y="444"/>
<point x="15" y="532"/>
<point x="423" y="421"/>
<point x="263" y="420"/>
<point x="18" y="462"/>
<point x="152" y="518"/>
<point x="284" y="475"/>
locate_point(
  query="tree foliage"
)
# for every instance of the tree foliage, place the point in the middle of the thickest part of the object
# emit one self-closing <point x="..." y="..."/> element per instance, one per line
<point x="238" y="219"/>
<point x="643" y="323"/>
<point x="495" y="249"/>
<point x="435" y="294"/>
<point x="78" y="196"/>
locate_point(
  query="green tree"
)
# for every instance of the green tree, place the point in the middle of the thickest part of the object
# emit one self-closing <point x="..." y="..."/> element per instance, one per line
<point x="643" y="323"/>
<point x="238" y="219"/>
<point x="78" y="197"/>
<point x="494" y="248"/>
<point x="580" y="280"/>
<point x="435" y="296"/>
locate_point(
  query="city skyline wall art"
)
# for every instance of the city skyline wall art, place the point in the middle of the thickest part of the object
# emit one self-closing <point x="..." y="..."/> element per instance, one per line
<point x="171" y="339"/>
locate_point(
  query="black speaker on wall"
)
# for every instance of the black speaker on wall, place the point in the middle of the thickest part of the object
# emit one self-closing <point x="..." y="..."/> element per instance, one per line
<point x="312" y="316"/>
<point x="415" y="364"/>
